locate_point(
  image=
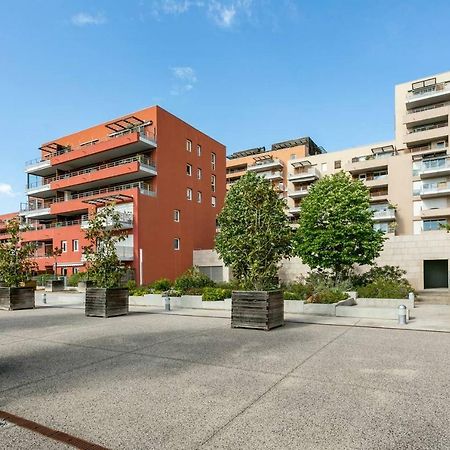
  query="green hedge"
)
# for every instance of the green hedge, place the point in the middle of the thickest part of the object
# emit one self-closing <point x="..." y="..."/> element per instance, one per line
<point x="211" y="294"/>
<point x="385" y="289"/>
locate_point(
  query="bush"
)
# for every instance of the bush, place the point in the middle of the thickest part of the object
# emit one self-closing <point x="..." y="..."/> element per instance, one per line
<point x="331" y="295"/>
<point x="385" y="289"/>
<point x="291" y="296"/>
<point x="76" y="278"/>
<point x="192" y="278"/>
<point x="161" y="285"/>
<point x="387" y="273"/>
<point x="297" y="291"/>
<point x="215" y="294"/>
<point x="194" y="291"/>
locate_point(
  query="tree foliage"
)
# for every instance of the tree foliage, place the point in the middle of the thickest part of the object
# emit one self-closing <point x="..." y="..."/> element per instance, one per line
<point x="16" y="265"/>
<point x="103" y="233"/>
<point x="336" y="226"/>
<point x="254" y="232"/>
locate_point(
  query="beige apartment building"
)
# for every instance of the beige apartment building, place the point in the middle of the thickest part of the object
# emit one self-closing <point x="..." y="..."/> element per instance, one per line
<point x="408" y="179"/>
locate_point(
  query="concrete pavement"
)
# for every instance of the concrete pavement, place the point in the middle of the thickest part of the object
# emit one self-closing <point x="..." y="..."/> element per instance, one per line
<point x="172" y="381"/>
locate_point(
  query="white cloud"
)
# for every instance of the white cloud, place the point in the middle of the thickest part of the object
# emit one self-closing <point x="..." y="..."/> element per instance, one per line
<point x="6" y="190"/>
<point x="184" y="79"/>
<point x="83" y="19"/>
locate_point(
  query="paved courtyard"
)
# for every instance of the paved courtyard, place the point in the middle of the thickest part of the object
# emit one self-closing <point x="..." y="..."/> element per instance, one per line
<point x="150" y="381"/>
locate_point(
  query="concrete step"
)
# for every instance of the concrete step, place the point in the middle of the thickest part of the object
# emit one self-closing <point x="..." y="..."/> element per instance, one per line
<point x="434" y="297"/>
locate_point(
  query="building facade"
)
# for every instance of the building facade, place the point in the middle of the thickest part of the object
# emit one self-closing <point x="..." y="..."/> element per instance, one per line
<point x="166" y="178"/>
<point x="408" y="179"/>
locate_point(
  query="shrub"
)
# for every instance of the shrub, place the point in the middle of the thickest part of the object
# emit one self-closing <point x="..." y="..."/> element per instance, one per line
<point x="161" y="285"/>
<point x="386" y="273"/>
<point x="385" y="289"/>
<point x="291" y="296"/>
<point x="297" y="291"/>
<point x="330" y="295"/>
<point x="211" y="294"/>
<point x="76" y="278"/>
<point x="194" y="291"/>
<point x="192" y="278"/>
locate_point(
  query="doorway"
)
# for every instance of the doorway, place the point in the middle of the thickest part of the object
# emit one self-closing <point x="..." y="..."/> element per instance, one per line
<point x="435" y="273"/>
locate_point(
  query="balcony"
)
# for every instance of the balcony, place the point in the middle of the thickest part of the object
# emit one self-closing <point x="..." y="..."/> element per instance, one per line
<point x="39" y="167"/>
<point x="125" y="252"/>
<point x="368" y="163"/>
<point x="378" y="195"/>
<point x="275" y="175"/>
<point x="427" y="133"/>
<point x="125" y="221"/>
<point x="385" y="215"/>
<point x="96" y="151"/>
<point x="428" y="94"/>
<point x="435" y="212"/>
<point x="426" y="114"/>
<point x="124" y="170"/>
<point x="295" y="210"/>
<point x="298" y="193"/>
<point x="266" y="164"/>
<point x="39" y="189"/>
<point x="304" y="174"/>
<point x="435" y="167"/>
<point x="36" y="209"/>
<point x="428" y="149"/>
<point x="435" y="190"/>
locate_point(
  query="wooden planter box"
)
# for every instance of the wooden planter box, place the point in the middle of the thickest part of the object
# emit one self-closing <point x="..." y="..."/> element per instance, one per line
<point x="262" y="310"/>
<point x="16" y="298"/>
<point x="83" y="285"/>
<point x="102" y="302"/>
<point x="54" y="286"/>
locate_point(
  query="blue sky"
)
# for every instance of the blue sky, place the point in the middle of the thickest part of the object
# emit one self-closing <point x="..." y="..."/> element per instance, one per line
<point x="247" y="72"/>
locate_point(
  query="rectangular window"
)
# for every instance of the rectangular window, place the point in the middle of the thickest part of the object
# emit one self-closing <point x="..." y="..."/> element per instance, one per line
<point x="64" y="246"/>
<point x="213" y="161"/>
<point x="213" y="183"/>
<point x="189" y="169"/>
<point x="434" y="224"/>
<point x="64" y="271"/>
<point x="176" y="244"/>
<point x="75" y="270"/>
<point x="176" y="215"/>
<point x="337" y="164"/>
<point x="75" y="246"/>
<point x="199" y="174"/>
<point x="213" y="201"/>
<point x="188" y="145"/>
<point x="199" y="150"/>
<point x="199" y="197"/>
<point x="324" y="167"/>
<point x="189" y="193"/>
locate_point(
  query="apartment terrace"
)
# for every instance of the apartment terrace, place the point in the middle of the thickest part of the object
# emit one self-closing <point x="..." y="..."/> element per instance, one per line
<point x="435" y="167"/>
<point x="427" y="91"/>
<point x="424" y="114"/>
<point x="264" y="163"/>
<point x="303" y="171"/>
<point x="430" y="190"/>
<point x="376" y="160"/>
<point x="385" y="215"/>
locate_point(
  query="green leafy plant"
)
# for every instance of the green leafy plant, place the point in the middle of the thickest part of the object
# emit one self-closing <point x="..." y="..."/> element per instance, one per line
<point x="335" y="229"/>
<point x="76" y="278"/>
<point x="211" y="294"/>
<point x="384" y="273"/>
<point x="254" y="233"/>
<point x="16" y="265"/>
<point x="385" y="289"/>
<point x="192" y="279"/>
<point x="161" y="285"/>
<point x="103" y="233"/>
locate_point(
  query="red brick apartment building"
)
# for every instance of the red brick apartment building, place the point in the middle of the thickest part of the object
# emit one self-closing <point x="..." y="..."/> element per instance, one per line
<point x="165" y="177"/>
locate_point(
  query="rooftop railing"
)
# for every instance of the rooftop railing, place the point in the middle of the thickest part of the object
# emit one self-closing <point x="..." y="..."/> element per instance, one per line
<point x="429" y="90"/>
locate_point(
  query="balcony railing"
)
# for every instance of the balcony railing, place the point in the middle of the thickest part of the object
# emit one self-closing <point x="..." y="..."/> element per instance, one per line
<point x="427" y="108"/>
<point x="428" y="127"/>
<point x="125" y="220"/>
<point x="429" y="90"/>
<point x="384" y="214"/>
<point x="142" y="133"/>
<point x="47" y="226"/>
<point x="434" y="188"/>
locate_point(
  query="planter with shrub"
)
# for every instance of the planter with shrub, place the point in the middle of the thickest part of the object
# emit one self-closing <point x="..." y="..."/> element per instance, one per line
<point x="16" y="268"/>
<point x="108" y="298"/>
<point x="254" y="236"/>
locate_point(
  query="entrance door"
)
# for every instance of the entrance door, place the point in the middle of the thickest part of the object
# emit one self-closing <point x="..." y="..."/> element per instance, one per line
<point x="435" y="273"/>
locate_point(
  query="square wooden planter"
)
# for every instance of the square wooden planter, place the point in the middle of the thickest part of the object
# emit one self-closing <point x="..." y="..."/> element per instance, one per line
<point x="262" y="310"/>
<point x="102" y="302"/>
<point x="13" y="298"/>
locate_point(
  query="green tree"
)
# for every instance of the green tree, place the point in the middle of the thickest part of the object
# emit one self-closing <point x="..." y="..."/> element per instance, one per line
<point x="103" y="233"/>
<point x="254" y="232"/>
<point x="336" y="226"/>
<point x="16" y="265"/>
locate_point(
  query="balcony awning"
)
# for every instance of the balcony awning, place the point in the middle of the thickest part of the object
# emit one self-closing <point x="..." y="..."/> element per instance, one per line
<point x="301" y="164"/>
<point x="262" y="158"/>
<point x="125" y="124"/>
<point x="52" y="147"/>
<point x="385" y="149"/>
<point x="115" y="198"/>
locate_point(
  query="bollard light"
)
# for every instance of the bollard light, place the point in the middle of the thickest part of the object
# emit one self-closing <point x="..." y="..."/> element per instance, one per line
<point x="167" y="302"/>
<point x="402" y="310"/>
<point x="44" y="298"/>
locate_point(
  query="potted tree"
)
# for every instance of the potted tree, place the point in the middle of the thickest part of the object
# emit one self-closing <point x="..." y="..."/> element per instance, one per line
<point x="16" y="268"/>
<point x="254" y="236"/>
<point x="106" y="297"/>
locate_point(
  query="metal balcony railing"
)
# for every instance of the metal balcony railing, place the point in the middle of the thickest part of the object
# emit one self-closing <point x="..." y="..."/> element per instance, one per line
<point x="428" y="127"/>
<point x="429" y="90"/>
<point x="434" y="188"/>
<point x="427" y="108"/>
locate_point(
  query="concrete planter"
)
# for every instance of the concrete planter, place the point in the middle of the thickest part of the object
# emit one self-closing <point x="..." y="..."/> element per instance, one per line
<point x="385" y="302"/>
<point x="83" y="285"/>
<point x="190" y="301"/>
<point x="14" y="298"/>
<point x="147" y="300"/>
<point x="224" y="305"/>
<point x="325" y="309"/>
<point x="294" y="306"/>
<point x="102" y="302"/>
<point x="367" y="312"/>
<point x="262" y="310"/>
<point x="54" y="286"/>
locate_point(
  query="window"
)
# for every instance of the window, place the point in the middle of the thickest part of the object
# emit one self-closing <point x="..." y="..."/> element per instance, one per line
<point x="199" y="197"/>
<point x="64" y="246"/>
<point x="64" y="271"/>
<point x="199" y="174"/>
<point x="75" y="270"/>
<point x="337" y="164"/>
<point x="189" y="169"/>
<point x="434" y="224"/>
<point x="324" y="167"/>
<point x="293" y="156"/>
<point x="213" y="183"/>
<point x="75" y="245"/>
<point x="176" y="244"/>
<point x="176" y="215"/>
<point x="189" y="193"/>
<point x="213" y="161"/>
<point x="188" y="145"/>
<point x="213" y="202"/>
<point x="199" y="150"/>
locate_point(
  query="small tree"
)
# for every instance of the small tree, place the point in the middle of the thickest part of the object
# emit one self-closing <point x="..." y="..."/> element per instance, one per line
<point x="254" y="232"/>
<point x="336" y="226"/>
<point x="16" y="265"/>
<point x="103" y="233"/>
